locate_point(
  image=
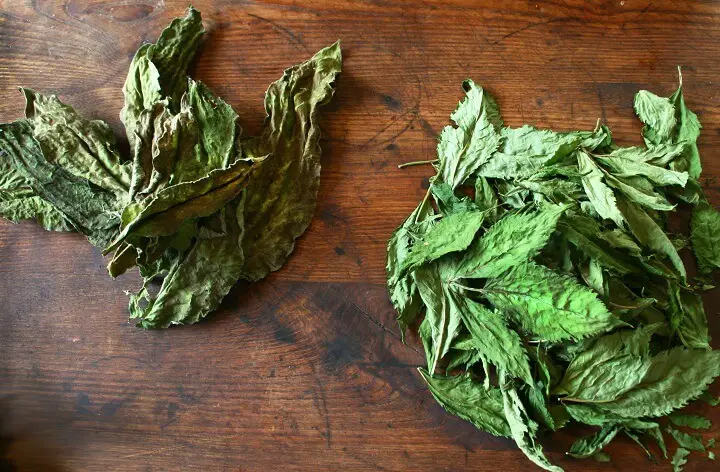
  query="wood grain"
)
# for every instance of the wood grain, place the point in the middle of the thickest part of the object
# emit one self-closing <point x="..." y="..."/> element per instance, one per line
<point x="305" y="370"/>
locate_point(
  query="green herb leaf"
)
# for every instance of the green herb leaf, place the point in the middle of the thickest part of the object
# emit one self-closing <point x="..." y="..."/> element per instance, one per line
<point x="402" y="289"/>
<point x="513" y="240"/>
<point x="492" y="338"/>
<point x="705" y="234"/>
<point x="658" y="115"/>
<point x="600" y="195"/>
<point x="680" y="459"/>
<point x="463" y="149"/>
<point x="453" y="233"/>
<point x="198" y="279"/>
<point x="591" y="445"/>
<point x="685" y="440"/>
<point x="469" y="400"/>
<point x="522" y="428"/>
<point x="442" y="316"/>
<point x="691" y="421"/>
<point x="553" y="306"/>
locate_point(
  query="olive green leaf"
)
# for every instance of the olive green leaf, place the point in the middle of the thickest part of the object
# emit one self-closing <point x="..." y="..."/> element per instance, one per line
<point x="85" y="148"/>
<point x="90" y="209"/>
<point x="461" y="150"/>
<point x="159" y="71"/>
<point x="282" y="193"/>
<point x="552" y="306"/>
<point x="198" y="279"/>
<point x="170" y="207"/>
<point x="513" y="240"/>
<point x="469" y="400"/>
<point x="218" y="125"/>
<point x="705" y="236"/>
<point x="19" y="202"/>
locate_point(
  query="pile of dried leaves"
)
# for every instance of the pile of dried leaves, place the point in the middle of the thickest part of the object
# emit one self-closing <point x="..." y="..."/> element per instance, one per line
<point x="552" y="291"/>
<point x="196" y="204"/>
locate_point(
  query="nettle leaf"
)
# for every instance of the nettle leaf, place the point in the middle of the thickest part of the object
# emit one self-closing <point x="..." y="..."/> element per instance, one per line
<point x="600" y="195"/>
<point x="680" y="459"/>
<point x="522" y="428"/>
<point x="90" y="209"/>
<point x="631" y="166"/>
<point x="402" y="289"/>
<point x="282" y="193"/>
<point x="492" y="338"/>
<point x="660" y="155"/>
<point x="648" y="233"/>
<point x="453" y="233"/>
<point x="592" y="374"/>
<point x="526" y="150"/>
<point x="486" y="199"/>
<point x="658" y="115"/>
<point x="511" y="241"/>
<point x="198" y="279"/>
<point x="705" y="236"/>
<point x="673" y="378"/>
<point x="469" y="400"/>
<point x="691" y="421"/>
<point x="685" y="440"/>
<point x="585" y="234"/>
<point x="448" y="202"/>
<point x="688" y="130"/>
<point x="552" y="306"/>
<point x="442" y="317"/>
<point x="591" y="445"/>
<point x="639" y="190"/>
<point x="462" y="149"/>
<point x="692" y="325"/>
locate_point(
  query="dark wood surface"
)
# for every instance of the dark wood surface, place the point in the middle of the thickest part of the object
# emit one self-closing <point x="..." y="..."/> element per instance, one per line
<point x="305" y="370"/>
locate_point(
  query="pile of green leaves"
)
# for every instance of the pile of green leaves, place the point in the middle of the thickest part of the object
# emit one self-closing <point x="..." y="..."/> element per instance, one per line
<point x="550" y="288"/>
<point x="196" y="204"/>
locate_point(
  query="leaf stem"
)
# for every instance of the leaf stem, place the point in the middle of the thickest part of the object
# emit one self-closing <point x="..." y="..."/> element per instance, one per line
<point x="472" y="289"/>
<point x="417" y="163"/>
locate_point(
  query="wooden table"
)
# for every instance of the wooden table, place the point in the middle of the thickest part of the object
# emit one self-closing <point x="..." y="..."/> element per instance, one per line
<point x="305" y="370"/>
